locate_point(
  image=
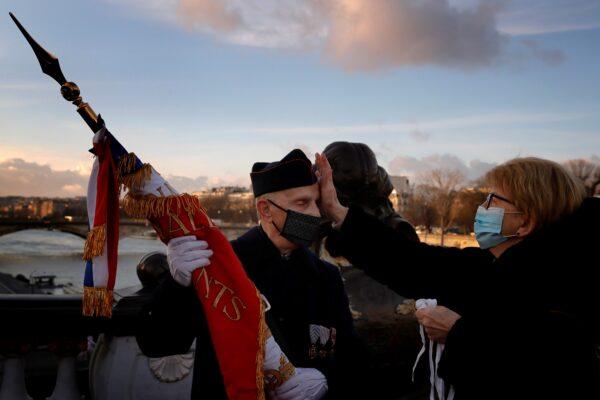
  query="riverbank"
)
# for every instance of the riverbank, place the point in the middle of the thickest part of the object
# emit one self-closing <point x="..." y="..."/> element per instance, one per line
<point x="450" y="240"/>
<point x="42" y="252"/>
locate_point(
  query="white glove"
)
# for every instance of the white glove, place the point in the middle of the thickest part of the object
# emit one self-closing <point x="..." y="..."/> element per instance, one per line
<point x="291" y="383"/>
<point x="185" y="254"/>
<point x="306" y="384"/>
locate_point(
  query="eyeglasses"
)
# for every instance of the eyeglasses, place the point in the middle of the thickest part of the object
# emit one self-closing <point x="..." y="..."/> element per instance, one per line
<point x="491" y="196"/>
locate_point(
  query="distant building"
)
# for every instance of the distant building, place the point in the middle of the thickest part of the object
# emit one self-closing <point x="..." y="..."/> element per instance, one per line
<point x="401" y="193"/>
<point x="32" y="209"/>
<point x="46" y="208"/>
<point x="237" y="191"/>
<point x="35" y="207"/>
<point x="228" y="203"/>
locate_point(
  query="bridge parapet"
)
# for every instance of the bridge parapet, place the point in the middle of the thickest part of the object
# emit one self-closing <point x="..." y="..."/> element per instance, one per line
<point x="77" y="228"/>
<point x="80" y="228"/>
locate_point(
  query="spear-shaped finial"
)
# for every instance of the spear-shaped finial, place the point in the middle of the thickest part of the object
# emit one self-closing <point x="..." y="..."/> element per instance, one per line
<point x="51" y="67"/>
<point x="48" y="61"/>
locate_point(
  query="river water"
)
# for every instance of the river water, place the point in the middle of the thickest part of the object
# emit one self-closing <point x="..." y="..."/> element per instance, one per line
<point x="58" y="253"/>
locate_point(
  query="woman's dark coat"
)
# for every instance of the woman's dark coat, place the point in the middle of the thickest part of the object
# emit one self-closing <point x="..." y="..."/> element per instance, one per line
<point x="530" y="319"/>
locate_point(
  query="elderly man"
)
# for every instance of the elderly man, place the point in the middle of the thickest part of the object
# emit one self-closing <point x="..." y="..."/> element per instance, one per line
<point x="309" y="315"/>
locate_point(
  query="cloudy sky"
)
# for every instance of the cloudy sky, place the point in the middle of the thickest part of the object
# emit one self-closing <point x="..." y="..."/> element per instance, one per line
<point x="203" y="88"/>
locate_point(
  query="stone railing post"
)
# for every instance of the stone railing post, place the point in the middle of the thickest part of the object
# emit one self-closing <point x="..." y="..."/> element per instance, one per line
<point x="66" y="381"/>
<point x="13" y="380"/>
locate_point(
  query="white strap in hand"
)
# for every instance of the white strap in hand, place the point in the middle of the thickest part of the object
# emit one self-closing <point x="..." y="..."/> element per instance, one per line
<point x="185" y="254"/>
<point x="437" y="383"/>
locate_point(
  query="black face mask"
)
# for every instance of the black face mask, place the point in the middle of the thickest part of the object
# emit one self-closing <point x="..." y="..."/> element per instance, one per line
<point x="301" y="229"/>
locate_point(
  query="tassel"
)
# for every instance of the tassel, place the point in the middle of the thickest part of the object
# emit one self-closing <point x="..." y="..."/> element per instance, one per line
<point x="136" y="180"/>
<point x="94" y="244"/>
<point x="129" y="176"/>
<point x="127" y="164"/>
<point x="156" y="207"/>
<point x="97" y="301"/>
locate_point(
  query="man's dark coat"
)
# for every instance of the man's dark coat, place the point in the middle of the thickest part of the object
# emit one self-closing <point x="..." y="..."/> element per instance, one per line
<point x="304" y="293"/>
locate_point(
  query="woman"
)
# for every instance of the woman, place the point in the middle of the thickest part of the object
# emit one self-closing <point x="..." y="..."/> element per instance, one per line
<point x="519" y="315"/>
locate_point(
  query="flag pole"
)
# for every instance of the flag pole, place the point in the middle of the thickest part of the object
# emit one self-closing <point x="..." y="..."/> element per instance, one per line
<point x="69" y="90"/>
<point x="241" y="358"/>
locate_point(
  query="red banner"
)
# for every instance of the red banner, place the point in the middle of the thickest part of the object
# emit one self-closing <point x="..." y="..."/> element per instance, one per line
<point x="231" y="302"/>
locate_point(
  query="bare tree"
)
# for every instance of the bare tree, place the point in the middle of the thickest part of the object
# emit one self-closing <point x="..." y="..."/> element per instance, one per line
<point x="420" y="210"/>
<point x="588" y="172"/>
<point x="444" y="185"/>
<point x="229" y="209"/>
<point x="465" y="208"/>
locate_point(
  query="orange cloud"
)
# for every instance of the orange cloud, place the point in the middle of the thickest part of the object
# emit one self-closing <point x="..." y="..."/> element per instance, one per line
<point x="357" y="35"/>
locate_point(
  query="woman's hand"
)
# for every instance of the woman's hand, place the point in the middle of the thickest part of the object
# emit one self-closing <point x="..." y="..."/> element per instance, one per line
<point x="330" y="205"/>
<point x="437" y="322"/>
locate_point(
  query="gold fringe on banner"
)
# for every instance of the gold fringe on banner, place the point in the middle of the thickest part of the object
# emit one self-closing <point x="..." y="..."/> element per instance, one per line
<point x="94" y="244"/>
<point x="127" y="164"/>
<point x="263" y="334"/>
<point x="156" y="207"/>
<point x="97" y="302"/>
<point x="137" y="179"/>
<point x="130" y="178"/>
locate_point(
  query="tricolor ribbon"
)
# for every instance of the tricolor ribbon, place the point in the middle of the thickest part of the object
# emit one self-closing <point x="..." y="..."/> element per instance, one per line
<point x="101" y="245"/>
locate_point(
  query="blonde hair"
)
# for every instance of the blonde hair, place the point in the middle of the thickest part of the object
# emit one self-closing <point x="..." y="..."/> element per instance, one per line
<point x="542" y="189"/>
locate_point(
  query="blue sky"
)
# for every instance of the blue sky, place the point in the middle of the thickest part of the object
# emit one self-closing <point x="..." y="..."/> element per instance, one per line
<point x="203" y="88"/>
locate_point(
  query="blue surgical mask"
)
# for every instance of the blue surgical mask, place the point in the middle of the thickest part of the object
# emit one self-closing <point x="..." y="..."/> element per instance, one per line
<point x="488" y="227"/>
